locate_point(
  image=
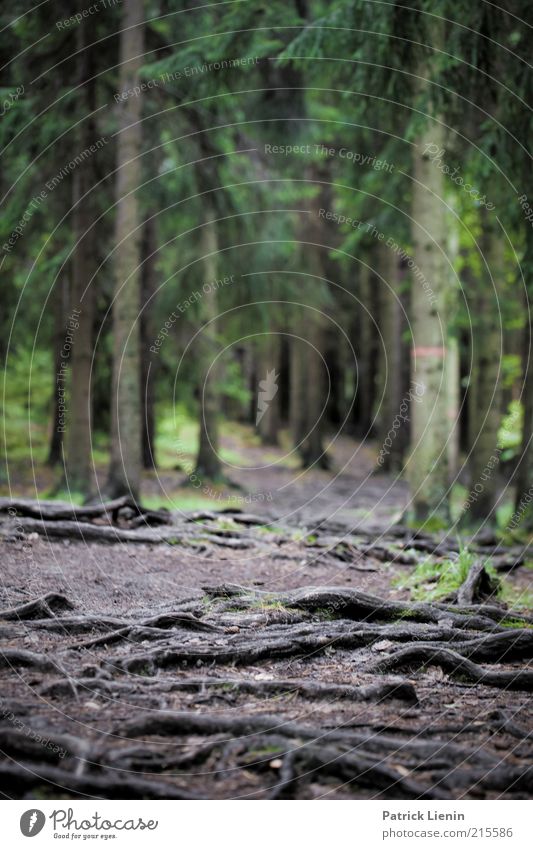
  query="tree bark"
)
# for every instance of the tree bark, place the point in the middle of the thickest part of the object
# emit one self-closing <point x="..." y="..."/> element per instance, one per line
<point x="485" y="410"/>
<point x="310" y="394"/>
<point x="297" y="395"/>
<point x="208" y="462"/>
<point x="335" y="364"/>
<point x="269" y="359"/>
<point x="313" y="395"/>
<point x="125" y="465"/>
<point x="391" y="425"/>
<point x="523" y="515"/>
<point x="430" y="427"/>
<point x="78" y="470"/>
<point x="148" y="333"/>
<point x="364" y="334"/>
<point x="60" y="308"/>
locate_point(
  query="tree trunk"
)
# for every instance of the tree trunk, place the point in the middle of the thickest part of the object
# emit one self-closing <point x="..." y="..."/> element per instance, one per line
<point x="452" y="365"/>
<point x="268" y="416"/>
<point x="485" y="412"/>
<point x="125" y="465"/>
<point x="298" y="383"/>
<point x="430" y="427"/>
<point x="452" y="376"/>
<point x="207" y="462"/>
<point x="335" y="364"/>
<point x="392" y="418"/>
<point x="284" y="378"/>
<point x="363" y="342"/>
<point x="313" y="394"/>
<point x="79" y="476"/>
<point x="148" y="333"/>
<point x="523" y="516"/>
<point x="60" y="308"/>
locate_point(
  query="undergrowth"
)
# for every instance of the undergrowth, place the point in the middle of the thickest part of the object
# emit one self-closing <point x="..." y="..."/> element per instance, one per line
<point x="436" y="581"/>
<point x="433" y="581"/>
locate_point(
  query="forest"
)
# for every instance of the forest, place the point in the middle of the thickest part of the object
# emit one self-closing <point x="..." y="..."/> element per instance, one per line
<point x="266" y="478"/>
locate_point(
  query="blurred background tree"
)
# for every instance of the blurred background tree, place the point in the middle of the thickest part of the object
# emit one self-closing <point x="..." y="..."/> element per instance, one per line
<point x="333" y="193"/>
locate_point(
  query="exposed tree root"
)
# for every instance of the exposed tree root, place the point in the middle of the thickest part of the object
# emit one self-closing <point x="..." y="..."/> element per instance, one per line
<point x="311" y="657"/>
<point x="457" y="666"/>
<point x="513" y="644"/>
<point x="21" y="657"/>
<point x="365" y="760"/>
<point x="86" y="531"/>
<point x="16" y="779"/>
<point x="150" y="629"/>
<point x="478" y="586"/>
<point x="352" y="604"/>
<point x="92" y="533"/>
<point x="55" y="511"/>
<point x="47" y="606"/>
<point x="395" y="689"/>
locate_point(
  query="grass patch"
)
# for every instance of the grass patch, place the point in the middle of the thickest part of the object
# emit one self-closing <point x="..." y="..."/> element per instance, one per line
<point x="432" y="581"/>
<point x="517" y="599"/>
<point x="515" y="623"/>
<point x="185" y="502"/>
<point x="266" y="604"/>
<point x="77" y="499"/>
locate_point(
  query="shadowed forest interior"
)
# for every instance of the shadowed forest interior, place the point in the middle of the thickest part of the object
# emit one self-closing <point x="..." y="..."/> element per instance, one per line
<point x="266" y="360"/>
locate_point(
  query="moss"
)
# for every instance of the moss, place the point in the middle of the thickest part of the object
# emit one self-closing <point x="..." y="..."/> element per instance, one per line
<point x="269" y="529"/>
<point x="262" y="754"/>
<point x="431" y="581"/>
<point x="518" y="599"/>
<point x="325" y="613"/>
<point x="272" y="604"/>
<point x="432" y="525"/>
<point x="515" y="623"/>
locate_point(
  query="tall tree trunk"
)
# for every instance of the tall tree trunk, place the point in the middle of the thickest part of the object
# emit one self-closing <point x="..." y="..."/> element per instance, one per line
<point x="430" y="427"/>
<point x="284" y="378"/>
<point x="523" y="516"/>
<point x="298" y="383"/>
<point x="392" y="417"/>
<point x="125" y="465"/>
<point x="485" y="416"/>
<point x="268" y="418"/>
<point x="363" y="341"/>
<point x="207" y="462"/>
<point x="452" y="370"/>
<point x="313" y="396"/>
<point x="60" y="303"/>
<point x="148" y="333"/>
<point x="335" y="364"/>
<point x="79" y="476"/>
<point x="452" y="365"/>
<point x="309" y="418"/>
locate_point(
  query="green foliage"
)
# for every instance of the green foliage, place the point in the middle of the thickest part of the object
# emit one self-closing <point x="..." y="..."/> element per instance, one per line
<point x="510" y="433"/>
<point x="27" y="385"/>
<point x="437" y="581"/>
<point x="344" y="73"/>
<point x="433" y="581"/>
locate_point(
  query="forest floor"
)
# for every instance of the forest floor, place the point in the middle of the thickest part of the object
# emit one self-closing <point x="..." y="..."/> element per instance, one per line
<point x="272" y="650"/>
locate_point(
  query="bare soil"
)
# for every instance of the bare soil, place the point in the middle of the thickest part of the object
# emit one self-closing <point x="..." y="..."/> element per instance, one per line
<point x="243" y="657"/>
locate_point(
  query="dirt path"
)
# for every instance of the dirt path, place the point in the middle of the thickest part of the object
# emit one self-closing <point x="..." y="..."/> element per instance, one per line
<point x="270" y="482"/>
<point x="142" y="676"/>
